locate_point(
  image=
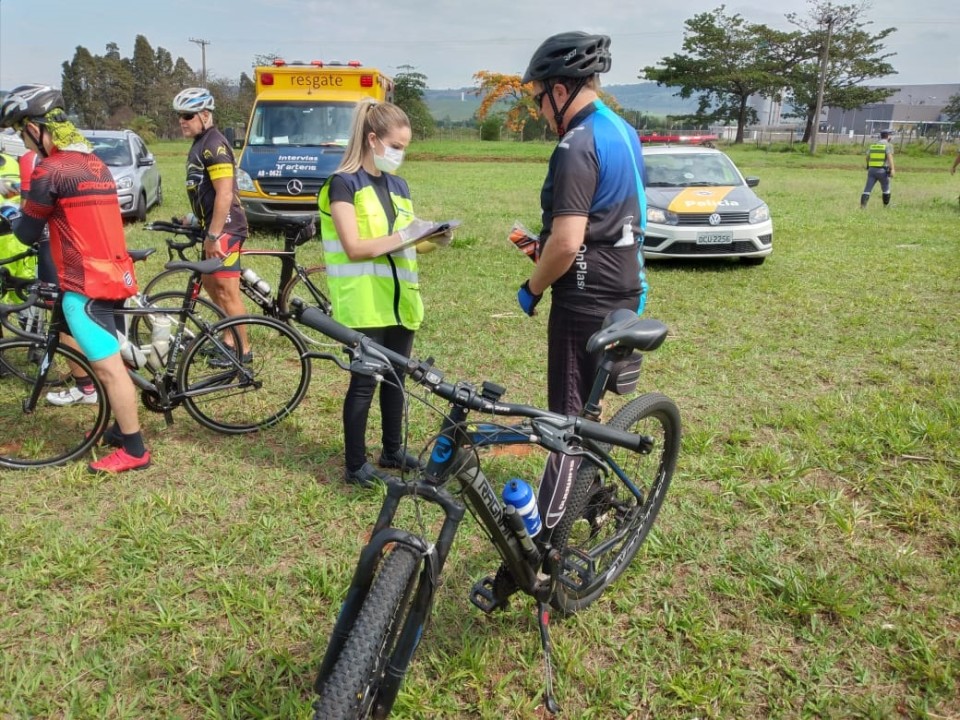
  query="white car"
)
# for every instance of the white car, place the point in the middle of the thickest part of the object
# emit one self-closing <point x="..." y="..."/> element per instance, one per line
<point x="700" y="206"/>
<point x="11" y="144"/>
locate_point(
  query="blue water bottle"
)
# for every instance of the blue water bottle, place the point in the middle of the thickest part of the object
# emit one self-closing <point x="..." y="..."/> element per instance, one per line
<point x="520" y="495"/>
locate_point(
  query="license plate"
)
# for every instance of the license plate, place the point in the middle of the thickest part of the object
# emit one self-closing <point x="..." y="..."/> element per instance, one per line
<point x="715" y="238"/>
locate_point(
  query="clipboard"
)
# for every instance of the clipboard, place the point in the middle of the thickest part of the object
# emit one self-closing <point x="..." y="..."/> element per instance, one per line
<point x="436" y="229"/>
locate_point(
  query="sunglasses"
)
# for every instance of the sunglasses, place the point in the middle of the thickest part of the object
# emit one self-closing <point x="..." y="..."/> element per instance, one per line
<point x="187" y="116"/>
<point x="538" y="98"/>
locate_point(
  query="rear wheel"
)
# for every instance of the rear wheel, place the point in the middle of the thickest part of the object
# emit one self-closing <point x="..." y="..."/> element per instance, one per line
<point x="230" y="394"/>
<point x="166" y="282"/>
<point x="606" y="523"/>
<point x="141" y="326"/>
<point x="353" y="686"/>
<point x="314" y="292"/>
<point x="48" y="434"/>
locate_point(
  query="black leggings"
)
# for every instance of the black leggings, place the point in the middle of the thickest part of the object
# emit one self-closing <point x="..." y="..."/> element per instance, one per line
<point x="356" y="405"/>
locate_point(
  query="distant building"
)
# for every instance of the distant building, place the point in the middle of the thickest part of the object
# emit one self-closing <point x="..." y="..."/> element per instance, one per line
<point x="913" y="109"/>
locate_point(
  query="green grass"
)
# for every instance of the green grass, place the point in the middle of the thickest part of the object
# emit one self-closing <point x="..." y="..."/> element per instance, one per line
<point x="805" y="564"/>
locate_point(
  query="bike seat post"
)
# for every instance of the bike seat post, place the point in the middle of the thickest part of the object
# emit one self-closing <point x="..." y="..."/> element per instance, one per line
<point x="593" y="406"/>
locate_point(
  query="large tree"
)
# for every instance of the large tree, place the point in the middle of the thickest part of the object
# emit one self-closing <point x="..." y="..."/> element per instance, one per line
<point x="725" y="60"/>
<point x="854" y="55"/>
<point x="408" y="88"/>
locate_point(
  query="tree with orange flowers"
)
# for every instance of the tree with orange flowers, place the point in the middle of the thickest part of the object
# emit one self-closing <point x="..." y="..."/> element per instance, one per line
<point x="499" y="87"/>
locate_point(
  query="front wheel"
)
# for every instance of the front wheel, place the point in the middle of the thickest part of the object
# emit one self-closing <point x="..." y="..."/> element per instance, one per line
<point x="49" y="433"/>
<point x="606" y="522"/>
<point x="232" y="394"/>
<point x="353" y="687"/>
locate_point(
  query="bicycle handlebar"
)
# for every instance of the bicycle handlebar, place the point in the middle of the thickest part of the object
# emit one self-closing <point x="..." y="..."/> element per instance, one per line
<point x="370" y="358"/>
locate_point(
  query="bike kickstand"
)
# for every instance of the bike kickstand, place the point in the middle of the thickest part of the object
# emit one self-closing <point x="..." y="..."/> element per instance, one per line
<point x="543" y="620"/>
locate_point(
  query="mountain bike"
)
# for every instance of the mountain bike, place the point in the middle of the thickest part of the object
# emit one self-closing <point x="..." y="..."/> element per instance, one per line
<point x="295" y="281"/>
<point x="613" y="498"/>
<point x="192" y="362"/>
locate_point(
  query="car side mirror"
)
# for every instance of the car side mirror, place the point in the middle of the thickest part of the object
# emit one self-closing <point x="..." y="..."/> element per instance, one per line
<point x="146" y="161"/>
<point x="752" y="181"/>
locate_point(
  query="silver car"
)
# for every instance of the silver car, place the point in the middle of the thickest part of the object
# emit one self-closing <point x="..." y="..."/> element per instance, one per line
<point x="134" y="169"/>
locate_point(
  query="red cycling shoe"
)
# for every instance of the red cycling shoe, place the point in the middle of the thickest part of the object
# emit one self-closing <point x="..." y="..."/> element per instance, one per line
<point x="119" y="461"/>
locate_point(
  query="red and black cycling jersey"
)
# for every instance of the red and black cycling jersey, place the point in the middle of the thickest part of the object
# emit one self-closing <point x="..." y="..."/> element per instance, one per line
<point x="211" y="158"/>
<point x="73" y="193"/>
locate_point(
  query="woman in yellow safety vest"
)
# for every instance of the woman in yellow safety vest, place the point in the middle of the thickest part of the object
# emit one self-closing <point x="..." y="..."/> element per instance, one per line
<point x="368" y="230"/>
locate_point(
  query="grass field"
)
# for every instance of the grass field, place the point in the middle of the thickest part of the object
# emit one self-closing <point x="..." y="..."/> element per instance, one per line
<point x="805" y="564"/>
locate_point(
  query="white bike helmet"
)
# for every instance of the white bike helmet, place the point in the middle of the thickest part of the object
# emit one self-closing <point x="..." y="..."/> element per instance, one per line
<point x="193" y="100"/>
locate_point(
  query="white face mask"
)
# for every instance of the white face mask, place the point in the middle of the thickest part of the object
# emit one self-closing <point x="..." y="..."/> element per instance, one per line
<point x="391" y="159"/>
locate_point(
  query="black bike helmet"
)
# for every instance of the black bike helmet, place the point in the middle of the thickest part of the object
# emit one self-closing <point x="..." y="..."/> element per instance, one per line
<point x="29" y="102"/>
<point x="570" y="54"/>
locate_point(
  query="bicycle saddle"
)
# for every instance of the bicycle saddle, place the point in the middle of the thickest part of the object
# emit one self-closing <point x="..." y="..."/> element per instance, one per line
<point x="625" y="329"/>
<point x="138" y="255"/>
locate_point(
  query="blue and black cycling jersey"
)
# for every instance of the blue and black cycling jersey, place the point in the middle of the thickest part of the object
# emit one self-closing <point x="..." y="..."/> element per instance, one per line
<point x="601" y="166"/>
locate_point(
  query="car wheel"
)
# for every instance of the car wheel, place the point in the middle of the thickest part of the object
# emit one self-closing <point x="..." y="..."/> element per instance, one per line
<point x="752" y="260"/>
<point x="140" y="213"/>
<point x="159" y="201"/>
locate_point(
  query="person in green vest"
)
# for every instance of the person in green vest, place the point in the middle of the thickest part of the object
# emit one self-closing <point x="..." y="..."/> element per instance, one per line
<point x="25" y="268"/>
<point x="367" y="226"/>
<point x="879" y="168"/>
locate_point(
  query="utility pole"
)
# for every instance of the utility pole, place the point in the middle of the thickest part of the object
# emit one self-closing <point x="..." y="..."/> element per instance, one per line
<point x="823" y="80"/>
<point x="203" y="58"/>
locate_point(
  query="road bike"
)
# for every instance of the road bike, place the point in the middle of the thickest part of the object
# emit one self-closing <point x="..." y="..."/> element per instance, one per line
<point x="296" y="281"/>
<point x="612" y="501"/>
<point x="189" y="361"/>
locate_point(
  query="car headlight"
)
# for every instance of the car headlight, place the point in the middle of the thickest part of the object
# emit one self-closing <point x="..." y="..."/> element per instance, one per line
<point x="661" y="216"/>
<point x="125" y="183"/>
<point x="244" y="182"/>
<point x="759" y="214"/>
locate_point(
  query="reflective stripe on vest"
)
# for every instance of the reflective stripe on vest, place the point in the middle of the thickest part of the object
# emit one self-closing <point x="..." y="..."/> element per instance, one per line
<point x="382" y="291"/>
<point x="878" y="155"/>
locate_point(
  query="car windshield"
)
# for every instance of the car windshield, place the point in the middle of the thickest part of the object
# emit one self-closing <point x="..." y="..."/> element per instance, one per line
<point x="690" y="169"/>
<point x="301" y="123"/>
<point x="114" y="152"/>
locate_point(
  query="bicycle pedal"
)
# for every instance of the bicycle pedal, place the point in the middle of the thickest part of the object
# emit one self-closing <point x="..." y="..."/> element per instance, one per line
<point x="484" y="595"/>
<point x="577" y="569"/>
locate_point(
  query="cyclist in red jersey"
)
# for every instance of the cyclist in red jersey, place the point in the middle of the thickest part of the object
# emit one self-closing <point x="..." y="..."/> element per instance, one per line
<point x="215" y="201"/>
<point x="73" y="193"/>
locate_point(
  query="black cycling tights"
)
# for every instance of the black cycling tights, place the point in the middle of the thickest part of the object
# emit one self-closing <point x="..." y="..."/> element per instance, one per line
<point x="356" y="405"/>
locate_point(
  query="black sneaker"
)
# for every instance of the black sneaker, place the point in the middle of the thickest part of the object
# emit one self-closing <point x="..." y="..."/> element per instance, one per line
<point x="366" y="477"/>
<point x="400" y="460"/>
<point x="223" y="362"/>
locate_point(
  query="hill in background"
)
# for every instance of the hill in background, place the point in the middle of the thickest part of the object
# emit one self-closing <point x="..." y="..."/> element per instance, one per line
<point x="459" y="104"/>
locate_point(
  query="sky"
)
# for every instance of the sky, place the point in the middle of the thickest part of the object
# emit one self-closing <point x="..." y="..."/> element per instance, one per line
<point x="445" y="40"/>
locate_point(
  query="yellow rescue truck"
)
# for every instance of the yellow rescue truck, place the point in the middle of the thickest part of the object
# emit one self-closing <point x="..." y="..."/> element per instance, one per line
<point x="297" y="133"/>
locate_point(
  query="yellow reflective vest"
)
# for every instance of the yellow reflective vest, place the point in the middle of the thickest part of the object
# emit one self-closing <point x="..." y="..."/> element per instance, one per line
<point x="378" y="292"/>
<point x="25" y="268"/>
<point x="877" y="155"/>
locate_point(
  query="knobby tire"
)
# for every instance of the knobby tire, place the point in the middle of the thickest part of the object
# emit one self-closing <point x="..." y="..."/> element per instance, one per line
<point x="351" y="689"/>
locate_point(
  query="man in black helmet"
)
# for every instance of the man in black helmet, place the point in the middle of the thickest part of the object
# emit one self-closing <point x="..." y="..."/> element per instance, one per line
<point x="594" y="212"/>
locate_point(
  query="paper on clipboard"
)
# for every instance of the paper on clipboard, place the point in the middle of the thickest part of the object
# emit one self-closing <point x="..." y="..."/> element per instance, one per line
<point x="434" y="230"/>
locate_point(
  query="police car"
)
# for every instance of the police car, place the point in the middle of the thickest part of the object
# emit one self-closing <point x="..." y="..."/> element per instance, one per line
<point x="700" y="206"/>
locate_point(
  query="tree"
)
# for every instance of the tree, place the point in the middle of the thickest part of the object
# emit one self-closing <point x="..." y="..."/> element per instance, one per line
<point x="497" y="89"/>
<point x="952" y="110"/>
<point x="110" y="91"/>
<point x="408" y="89"/>
<point x="726" y="60"/>
<point x="855" y="56"/>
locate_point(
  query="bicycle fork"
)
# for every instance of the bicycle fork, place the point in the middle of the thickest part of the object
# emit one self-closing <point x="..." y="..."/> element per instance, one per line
<point x="434" y="556"/>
